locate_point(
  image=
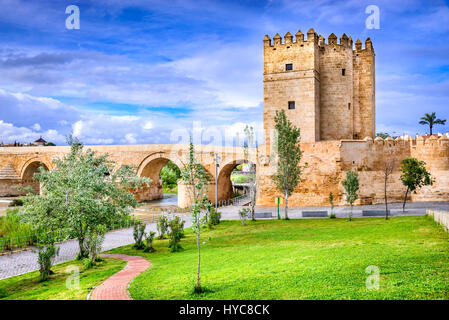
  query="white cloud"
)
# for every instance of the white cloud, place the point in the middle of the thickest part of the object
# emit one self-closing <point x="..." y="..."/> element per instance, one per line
<point x="36" y="126"/>
<point x="148" y="125"/>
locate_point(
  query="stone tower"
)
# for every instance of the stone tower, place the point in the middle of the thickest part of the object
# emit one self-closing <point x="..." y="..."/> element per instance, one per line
<point x="326" y="89"/>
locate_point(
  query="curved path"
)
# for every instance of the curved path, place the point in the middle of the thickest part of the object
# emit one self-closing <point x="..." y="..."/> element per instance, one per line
<point x="116" y="286"/>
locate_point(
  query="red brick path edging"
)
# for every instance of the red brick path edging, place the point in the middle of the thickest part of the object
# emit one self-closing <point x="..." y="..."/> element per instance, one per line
<point x="116" y="286"/>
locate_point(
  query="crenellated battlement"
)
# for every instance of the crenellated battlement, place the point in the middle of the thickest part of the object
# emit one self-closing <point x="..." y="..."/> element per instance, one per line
<point x="312" y="37"/>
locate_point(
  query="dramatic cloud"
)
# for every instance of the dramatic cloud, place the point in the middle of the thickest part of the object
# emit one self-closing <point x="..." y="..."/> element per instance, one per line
<point x="151" y="71"/>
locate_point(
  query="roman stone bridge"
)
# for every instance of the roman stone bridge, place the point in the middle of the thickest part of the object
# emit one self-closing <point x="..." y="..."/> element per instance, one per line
<point x="18" y="165"/>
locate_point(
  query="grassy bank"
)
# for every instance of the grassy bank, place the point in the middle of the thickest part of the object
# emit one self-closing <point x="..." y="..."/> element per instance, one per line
<point x="28" y="287"/>
<point x="11" y="226"/>
<point x="303" y="259"/>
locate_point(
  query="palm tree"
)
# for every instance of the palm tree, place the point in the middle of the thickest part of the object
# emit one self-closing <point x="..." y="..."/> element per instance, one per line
<point x="431" y="119"/>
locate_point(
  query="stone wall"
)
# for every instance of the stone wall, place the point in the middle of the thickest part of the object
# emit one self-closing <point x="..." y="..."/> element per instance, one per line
<point x="328" y="161"/>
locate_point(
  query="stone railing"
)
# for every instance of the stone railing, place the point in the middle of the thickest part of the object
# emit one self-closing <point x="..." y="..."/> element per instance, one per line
<point x="441" y="217"/>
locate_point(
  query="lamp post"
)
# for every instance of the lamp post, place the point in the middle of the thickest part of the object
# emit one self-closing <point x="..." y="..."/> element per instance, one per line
<point x="217" y="164"/>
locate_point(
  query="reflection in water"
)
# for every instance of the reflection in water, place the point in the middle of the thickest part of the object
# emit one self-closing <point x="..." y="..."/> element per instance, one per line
<point x="169" y="199"/>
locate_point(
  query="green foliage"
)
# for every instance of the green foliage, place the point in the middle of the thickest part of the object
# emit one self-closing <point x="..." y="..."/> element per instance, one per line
<point x="46" y="254"/>
<point x="214" y="217"/>
<point x="431" y="120"/>
<point x="383" y="135"/>
<point x="170" y="175"/>
<point x="149" y="238"/>
<point x="239" y="178"/>
<point x="288" y="172"/>
<point x="138" y="234"/>
<point x="351" y="185"/>
<point x="12" y="226"/>
<point x="82" y="192"/>
<point x="93" y="243"/>
<point x="176" y="232"/>
<point x="162" y="226"/>
<point x="243" y="214"/>
<point x="414" y="175"/>
<point x="332" y="215"/>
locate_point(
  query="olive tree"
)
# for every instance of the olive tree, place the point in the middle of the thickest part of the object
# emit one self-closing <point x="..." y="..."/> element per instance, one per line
<point x="82" y="194"/>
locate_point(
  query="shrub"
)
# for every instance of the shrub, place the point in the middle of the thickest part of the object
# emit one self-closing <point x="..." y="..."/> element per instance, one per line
<point x="176" y="232"/>
<point x="138" y="234"/>
<point x="332" y="215"/>
<point x="243" y="213"/>
<point x="214" y="217"/>
<point x="46" y="254"/>
<point x="149" y="238"/>
<point x="162" y="226"/>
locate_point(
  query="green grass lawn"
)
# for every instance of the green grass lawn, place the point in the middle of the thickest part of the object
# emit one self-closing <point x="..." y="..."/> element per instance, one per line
<point x="303" y="259"/>
<point x="28" y="287"/>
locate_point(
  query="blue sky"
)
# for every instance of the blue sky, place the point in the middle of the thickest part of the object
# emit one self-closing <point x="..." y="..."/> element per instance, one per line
<point x="151" y="71"/>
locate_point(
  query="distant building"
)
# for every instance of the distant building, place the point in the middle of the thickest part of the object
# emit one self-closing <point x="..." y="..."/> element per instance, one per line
<point x="40" y="142"/>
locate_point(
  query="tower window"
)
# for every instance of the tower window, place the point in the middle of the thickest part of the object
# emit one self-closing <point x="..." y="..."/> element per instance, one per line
<point x="289" y="66"/>
<point x="349" y="106"/>
<point x="343" y="72"/>
<point x="291" y="105"/>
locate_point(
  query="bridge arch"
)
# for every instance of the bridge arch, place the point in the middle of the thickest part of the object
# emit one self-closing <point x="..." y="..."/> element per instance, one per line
<point x="151" y="168"/>
<point x="29" y="169"/>
<point x="225" y="186"/>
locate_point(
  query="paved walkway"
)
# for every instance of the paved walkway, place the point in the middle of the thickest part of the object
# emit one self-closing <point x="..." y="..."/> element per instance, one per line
<point x="116" y="286"/>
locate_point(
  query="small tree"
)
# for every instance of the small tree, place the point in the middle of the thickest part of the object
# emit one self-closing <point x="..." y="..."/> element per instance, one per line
<point x="351" y="185"/>
<point x="82" y="192"/>
<point x="46" y="253"/>
<point x="93" y="243"/>
<point x="414" y="176"/>
<point x="288" y="172"/>
<point x="162" y="226"/>
<point x="243" y="214"/>
<point x="388" y="170"/>
<point x="431" y="120"/>
<point x="138" y="234"/>
<point x="149" y="238"/>
<point x="195" y="179"/>
<point x="214" y="216"/>
<point x="252" y="155"/>
<point x="176" y="227"/>
<point x="331" y="202"/>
